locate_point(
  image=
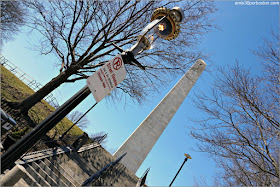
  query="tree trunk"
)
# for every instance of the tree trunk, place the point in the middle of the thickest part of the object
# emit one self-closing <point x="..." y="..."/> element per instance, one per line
<point x="30" y="101"/>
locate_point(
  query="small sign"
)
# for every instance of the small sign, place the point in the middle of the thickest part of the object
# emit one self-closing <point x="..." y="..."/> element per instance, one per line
<point x="103" y="81"/>
<point x="7" y="126"/>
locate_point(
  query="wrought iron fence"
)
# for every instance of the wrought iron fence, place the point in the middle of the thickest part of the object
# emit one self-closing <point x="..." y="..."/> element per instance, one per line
<point x="28" y="80"/>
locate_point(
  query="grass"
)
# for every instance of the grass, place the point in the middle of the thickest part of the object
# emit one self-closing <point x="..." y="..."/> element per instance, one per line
<point x="14" y="90"/>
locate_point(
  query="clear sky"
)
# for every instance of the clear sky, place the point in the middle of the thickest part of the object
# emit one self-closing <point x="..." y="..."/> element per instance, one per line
<point x="243" y="27"/>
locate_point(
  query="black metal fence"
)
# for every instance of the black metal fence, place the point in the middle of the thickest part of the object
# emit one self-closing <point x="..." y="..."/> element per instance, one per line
<point x="28" y="80"/>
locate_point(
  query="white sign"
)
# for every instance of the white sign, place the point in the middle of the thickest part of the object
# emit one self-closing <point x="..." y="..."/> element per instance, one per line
<point x="103" y="81"/>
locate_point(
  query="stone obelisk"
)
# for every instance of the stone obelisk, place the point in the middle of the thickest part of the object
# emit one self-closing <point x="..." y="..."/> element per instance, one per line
<point x="142" y="140"/>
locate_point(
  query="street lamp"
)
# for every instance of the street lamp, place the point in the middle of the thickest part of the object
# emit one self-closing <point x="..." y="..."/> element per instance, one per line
<point x="185" y="160"/>
<point x="164" y="25"/>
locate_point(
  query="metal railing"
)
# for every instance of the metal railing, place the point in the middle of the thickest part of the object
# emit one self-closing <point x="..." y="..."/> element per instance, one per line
<point x="27" y="79"/>
<point x="101" y="173"/>
<point x="99" y="139"/>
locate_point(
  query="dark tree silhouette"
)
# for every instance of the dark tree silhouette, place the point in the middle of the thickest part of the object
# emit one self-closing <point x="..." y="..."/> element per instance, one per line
<point x="12" y="17"/>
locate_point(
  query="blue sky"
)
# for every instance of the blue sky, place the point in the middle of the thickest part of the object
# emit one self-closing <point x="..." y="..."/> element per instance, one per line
<point x="243" y="28"/>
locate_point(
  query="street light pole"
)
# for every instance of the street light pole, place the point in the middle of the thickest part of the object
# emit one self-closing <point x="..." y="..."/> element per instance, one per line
<point x="185" y="160"/>
<point x="164" y="25"/>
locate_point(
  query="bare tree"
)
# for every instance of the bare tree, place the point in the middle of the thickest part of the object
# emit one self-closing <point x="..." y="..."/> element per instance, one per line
<point x="97" y="137"/>
<point x="12" y="17"/>
<point x="241" y="125"/>
<point x="80" y="34"/>
<point x="75" y="116"/>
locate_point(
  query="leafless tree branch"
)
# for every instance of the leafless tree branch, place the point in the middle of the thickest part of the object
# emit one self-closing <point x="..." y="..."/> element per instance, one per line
<point x="241" y="125"/>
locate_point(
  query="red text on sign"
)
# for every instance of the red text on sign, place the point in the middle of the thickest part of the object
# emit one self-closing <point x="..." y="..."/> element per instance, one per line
<point x="109" y="67"/>
<point x="114" y="79"/>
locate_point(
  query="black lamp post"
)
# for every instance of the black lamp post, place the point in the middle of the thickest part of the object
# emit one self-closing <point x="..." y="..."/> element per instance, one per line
<point x="185" y="160"/>
<point x="164" y="25"/>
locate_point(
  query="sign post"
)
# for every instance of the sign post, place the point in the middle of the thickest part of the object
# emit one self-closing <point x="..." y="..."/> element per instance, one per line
<point x="104" y="80"/>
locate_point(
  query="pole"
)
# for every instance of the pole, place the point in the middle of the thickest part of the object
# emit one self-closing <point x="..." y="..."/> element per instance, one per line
<point x="23" y="145"/>
<point x="178" y="172"/>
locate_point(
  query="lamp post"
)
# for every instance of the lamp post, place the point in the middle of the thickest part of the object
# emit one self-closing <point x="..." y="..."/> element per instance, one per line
<point x="164" y="25"/>
<point x="185" y="160"/>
